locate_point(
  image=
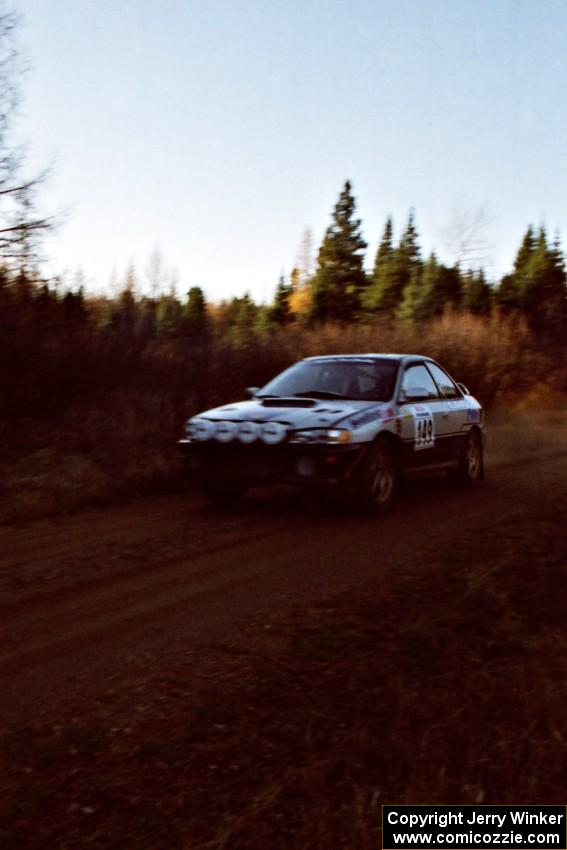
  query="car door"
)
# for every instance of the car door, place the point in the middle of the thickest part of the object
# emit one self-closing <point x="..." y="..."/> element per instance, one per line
<point x="421" y="409"/>
<point x="453" y="419"/>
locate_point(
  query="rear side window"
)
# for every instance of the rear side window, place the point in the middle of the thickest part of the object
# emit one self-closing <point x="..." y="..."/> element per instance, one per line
<point x="447" y="387"/>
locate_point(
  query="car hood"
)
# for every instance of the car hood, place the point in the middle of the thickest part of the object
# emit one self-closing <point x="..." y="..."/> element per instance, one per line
<point x="295" y="413"/>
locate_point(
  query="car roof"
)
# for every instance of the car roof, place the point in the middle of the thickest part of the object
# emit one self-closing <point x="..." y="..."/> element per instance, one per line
<point x="401" y="358"/>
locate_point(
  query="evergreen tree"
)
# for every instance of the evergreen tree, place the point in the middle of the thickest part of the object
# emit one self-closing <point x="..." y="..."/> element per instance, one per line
<point x="195" y="313"/>
<point x="169" y="315"/>
<point x="74" y="309"/>
<point x="124" y="312"/>
<point x="543" y="287"/>
<point x="385" y="248"/>
<point x="426" y="304"/>
<point x="394" y="271"/>
<point x="340" y="279"/>
<point x="242" y="316"/>
<point x="477" y="297"/>
<point x="537" y="285"/>
<point x="409" y="306"/>
<point x="409" y="246"/>
<point x="280" y="312"/>
<point x="433" y="288"/>
<point x="509" y="294"/>
<point x="449" y="289"/>
<point x="525" y="252"/>
<point x="374" y="296"/>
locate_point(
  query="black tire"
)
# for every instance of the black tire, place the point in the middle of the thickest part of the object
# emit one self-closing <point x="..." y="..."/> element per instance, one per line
<point x="470" y="470"/>
<point x="378" y="480"/>
<point x="222" y="494"/>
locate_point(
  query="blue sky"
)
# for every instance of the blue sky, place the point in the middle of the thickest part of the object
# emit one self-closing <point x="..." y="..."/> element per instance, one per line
<point x="217" y="130"/>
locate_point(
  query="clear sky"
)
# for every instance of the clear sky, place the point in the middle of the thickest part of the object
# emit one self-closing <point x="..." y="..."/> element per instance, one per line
<point x="218" y="130"/>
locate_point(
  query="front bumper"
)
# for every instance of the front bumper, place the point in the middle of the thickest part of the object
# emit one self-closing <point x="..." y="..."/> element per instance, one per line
<point x="261" y="464"/>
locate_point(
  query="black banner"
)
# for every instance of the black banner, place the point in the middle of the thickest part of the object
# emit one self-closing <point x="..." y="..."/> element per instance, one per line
<point x="481" y="827"/>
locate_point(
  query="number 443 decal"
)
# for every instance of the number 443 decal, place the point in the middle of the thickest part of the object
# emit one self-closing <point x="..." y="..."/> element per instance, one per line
<point x="424" y="437"/>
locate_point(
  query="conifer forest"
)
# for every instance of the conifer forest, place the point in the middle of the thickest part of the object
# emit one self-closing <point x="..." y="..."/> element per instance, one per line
<point x="96" y="387"/>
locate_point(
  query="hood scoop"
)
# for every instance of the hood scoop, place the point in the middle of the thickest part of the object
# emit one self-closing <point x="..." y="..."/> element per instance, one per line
<point x="288" y="402"/>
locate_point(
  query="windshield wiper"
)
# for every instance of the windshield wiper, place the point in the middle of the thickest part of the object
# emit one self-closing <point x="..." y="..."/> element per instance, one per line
<point x="319" y="394"/>
<point x="267" y="395"/>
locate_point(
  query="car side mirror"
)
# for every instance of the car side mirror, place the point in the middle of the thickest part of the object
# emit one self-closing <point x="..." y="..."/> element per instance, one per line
<point x="463" y="389"/>
<point x="252" y="391"/>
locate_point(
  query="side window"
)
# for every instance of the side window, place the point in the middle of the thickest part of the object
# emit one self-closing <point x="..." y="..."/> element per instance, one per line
<point x="446" y="386"/>
<point x="418" y="383"/>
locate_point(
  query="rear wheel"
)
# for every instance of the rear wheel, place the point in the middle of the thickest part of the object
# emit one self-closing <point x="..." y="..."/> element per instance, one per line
<point x="471" y="465"/>
<point x="378" y="479"/>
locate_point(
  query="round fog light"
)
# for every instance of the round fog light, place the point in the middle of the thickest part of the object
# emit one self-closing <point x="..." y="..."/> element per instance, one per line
<point x="225" y="431"/>
<point x="247" y="432"/>
<point x="201" y="429"/>
<point x="272" y="433"/>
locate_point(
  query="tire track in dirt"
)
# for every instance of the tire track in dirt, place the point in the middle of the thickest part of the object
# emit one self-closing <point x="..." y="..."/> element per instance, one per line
<point x="277" y="556"/>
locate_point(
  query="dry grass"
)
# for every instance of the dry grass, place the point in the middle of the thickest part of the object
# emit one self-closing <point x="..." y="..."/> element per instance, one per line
<point x="122" y="443"/>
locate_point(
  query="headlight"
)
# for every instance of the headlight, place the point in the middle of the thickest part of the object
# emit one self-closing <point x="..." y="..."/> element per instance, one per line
<point x="322" y="435"/>
<point x="200" y="429"/>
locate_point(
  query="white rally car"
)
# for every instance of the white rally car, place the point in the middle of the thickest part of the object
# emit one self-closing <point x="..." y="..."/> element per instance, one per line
<point x="355" y="422"/>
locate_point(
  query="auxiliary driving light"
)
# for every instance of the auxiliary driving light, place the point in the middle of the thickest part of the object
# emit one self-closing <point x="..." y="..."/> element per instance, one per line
<point x="201" y="429"/>
<point x="225" y="431"/>
<point x="272" y="433"/>
<point x="248" y="432"/>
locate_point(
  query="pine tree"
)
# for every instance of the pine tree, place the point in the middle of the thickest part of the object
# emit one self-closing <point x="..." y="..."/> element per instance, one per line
<point x="509" y="293"/>
<point x="543" y="287"/>
<point x="477" y="294"/>
<point x="340" y="279"/>
<point x="242" y="317"/>
<point x="449" y="289"/>
<point x="124" y="311"/>
<point x="395" y="270"/>
<point x="169" y="315"/>
<point x="196" y="317"/>
<point x="409" y="246"/>
<point x="537" y="285"/>
<point x="433" y="289"/>
<point x="385" y="248"/>
<point x="373" y="297"/>
<point x="280" y="312"/>
<point x="409" y="306"/>
<point x="427" y="298"/>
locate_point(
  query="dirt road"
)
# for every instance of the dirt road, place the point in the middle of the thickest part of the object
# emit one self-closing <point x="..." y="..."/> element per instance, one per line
<point x="94" y="598"/>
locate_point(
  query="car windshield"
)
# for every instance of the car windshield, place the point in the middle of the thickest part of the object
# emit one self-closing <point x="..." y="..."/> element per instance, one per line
<point x="361" y="379"/>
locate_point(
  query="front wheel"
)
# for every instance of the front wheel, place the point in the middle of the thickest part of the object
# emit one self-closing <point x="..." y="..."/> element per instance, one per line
<point x="471" y="465"/>
<point x="377" y="483"/>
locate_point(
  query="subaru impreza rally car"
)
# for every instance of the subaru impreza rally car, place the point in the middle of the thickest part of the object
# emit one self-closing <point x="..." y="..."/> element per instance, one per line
<point x="354" y="422"/>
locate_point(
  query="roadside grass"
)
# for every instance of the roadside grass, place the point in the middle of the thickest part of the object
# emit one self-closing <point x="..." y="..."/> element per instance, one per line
<point x="95" y="455"/>
<point x="97" y="458"/>
<point x="443" y="682"/>
<point x="114" y="437"/>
